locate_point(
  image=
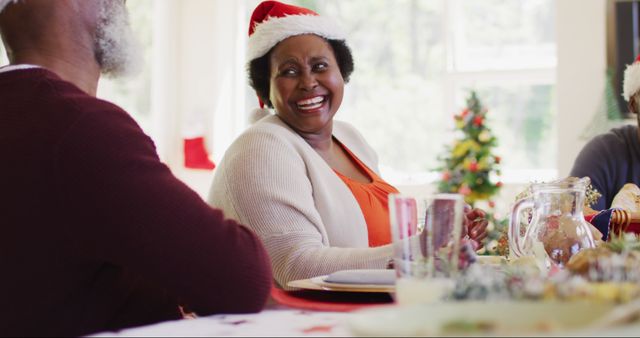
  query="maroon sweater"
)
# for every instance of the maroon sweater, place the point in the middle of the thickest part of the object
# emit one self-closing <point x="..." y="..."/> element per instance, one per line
<point x="96" y="233"/>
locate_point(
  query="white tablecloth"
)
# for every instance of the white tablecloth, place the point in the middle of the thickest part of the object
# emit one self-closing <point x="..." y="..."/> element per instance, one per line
<point x="287" y="323"/>
<point x="273" y="322"/>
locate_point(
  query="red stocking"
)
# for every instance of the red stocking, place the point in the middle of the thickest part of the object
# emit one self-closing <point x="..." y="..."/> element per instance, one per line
<point x="195" y="155"/>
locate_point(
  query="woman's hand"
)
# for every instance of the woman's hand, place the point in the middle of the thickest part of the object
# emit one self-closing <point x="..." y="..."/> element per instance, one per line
<point x="475" y="222"/>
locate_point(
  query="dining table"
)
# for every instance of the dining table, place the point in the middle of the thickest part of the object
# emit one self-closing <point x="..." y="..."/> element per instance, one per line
<point x="313" y="314"/>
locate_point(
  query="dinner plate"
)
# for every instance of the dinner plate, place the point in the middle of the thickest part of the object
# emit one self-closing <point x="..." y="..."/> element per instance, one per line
<point x="479" y="318"/>
<point x="363" y="280"/>
<point x="350" y="281"/>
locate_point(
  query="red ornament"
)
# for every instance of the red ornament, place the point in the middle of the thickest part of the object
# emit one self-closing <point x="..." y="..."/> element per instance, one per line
<point x="497" y="159"/>
<point x="477" y="121"/>
<point x="464" y="113"/>
<point x="473" y="167"/>
<point x="498" y="184"/>
<point x="464" y="190"/>
<point x="446" y="176"/>
<point x="492" y="204"/>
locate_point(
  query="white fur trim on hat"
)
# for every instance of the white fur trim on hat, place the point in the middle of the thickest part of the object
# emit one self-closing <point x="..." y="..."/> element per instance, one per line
<point x="631" y="83"/>
<point x="4" y="3"/>
<point x="270" y="32"/>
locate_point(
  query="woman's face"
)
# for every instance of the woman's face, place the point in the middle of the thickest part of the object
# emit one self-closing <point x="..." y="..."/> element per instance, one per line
<point x="306" y="86"/>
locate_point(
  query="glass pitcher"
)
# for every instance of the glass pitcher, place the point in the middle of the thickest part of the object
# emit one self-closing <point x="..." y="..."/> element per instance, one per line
<point x="557" y="229"/>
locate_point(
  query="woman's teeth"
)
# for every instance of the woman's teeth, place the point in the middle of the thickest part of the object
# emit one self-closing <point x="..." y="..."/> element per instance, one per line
<point x="310" y="104"/>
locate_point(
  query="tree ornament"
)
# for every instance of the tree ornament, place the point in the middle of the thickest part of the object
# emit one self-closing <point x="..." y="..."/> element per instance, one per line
<point x="484" y="136"/>
<point x="477" y="121"/>
<point x="473" y="167"/>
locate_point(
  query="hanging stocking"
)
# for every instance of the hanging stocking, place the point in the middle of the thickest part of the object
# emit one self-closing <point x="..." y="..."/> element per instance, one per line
<point x="195" y="154"/>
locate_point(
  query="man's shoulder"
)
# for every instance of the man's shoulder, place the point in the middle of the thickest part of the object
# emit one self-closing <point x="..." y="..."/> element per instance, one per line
<point x="616" y="139"/>
<point x="607" y="150"/>
<point x="45" y="88"/>
<point x="624" y="134"/>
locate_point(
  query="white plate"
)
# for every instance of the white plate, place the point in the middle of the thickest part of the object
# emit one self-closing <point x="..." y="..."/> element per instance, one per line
<point x="504" y="318"/>
<point x="319" y="283"/>
<point x="352" y="287"/>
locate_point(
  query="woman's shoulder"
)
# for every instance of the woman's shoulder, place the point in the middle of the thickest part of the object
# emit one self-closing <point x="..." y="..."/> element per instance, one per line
<point x="265" y="140"/>
<point x="270" y="124"/>
<point x="267" y="130"/>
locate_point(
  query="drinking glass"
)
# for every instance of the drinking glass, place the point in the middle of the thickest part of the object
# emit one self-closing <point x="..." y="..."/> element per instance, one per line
<point x="426" y="233"/>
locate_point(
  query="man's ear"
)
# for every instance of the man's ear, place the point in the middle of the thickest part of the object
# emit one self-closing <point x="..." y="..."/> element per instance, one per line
<point x="633" y="104"/>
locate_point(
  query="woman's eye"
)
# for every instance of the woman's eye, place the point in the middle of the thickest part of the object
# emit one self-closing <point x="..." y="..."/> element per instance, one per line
<point x="288" y="72"/>
<point x="320" y="67"/>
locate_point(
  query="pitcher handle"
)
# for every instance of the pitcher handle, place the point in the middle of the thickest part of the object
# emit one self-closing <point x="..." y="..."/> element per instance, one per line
<point x="515" y="240"/>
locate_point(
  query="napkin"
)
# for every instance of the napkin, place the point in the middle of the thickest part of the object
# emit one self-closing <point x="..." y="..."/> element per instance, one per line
<point x="364" y="276"/>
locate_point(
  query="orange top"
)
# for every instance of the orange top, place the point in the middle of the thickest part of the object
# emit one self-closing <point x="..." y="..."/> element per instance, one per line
<point x="373" y="200"/>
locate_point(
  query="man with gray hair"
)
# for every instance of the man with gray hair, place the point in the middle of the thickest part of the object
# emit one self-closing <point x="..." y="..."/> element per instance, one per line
<point x="612" y="159"/>
<point x="97" y="234"/>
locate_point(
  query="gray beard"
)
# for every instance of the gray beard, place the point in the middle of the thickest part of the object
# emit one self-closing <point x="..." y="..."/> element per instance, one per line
<point x="117" y="50"/>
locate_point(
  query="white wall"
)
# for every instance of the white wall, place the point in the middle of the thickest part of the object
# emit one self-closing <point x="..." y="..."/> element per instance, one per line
<point x="581" y="31"/>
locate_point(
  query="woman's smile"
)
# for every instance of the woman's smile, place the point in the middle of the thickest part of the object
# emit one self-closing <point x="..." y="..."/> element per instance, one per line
<point x="312" y="104"/>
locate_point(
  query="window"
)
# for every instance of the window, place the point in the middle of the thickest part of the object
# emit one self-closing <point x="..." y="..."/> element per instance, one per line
<point x="134" y="94"/>
<point x="3" y="55"/>
<point x="416" y="60"/>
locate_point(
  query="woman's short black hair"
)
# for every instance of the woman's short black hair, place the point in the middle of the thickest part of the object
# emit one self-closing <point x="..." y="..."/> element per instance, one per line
<point x="259" y="70"/>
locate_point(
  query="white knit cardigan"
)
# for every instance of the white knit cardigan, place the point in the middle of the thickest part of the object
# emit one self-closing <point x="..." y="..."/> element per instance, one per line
<point x="273" y="181"/>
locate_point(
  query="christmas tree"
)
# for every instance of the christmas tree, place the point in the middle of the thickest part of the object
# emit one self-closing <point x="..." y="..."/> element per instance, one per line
<point x="469" y="163"/>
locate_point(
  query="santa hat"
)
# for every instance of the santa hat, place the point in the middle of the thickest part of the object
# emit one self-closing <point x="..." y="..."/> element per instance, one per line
<point x="273" y="21"/>
<point x="631" y="83"/>
<point x="4" y="3"/>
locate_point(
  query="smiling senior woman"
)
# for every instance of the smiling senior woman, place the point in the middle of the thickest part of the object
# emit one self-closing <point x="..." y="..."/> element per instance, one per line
<point x="306" y="184"/>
